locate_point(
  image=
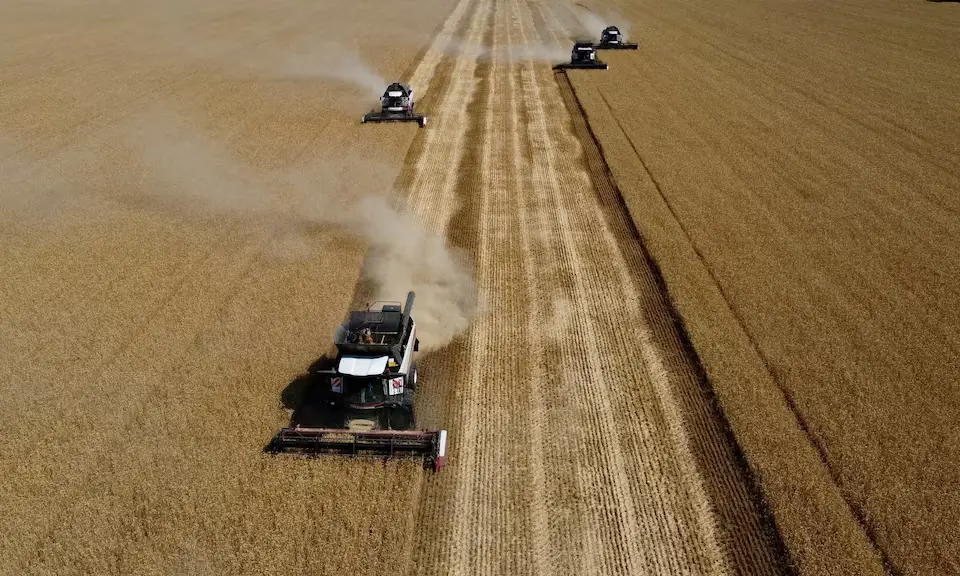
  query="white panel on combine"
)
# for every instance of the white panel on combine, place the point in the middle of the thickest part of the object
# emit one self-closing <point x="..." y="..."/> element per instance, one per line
<point x="336" y="384"/>
<point x="360" y="366"/>
<point x="394" y="386"/>
<point x="394" y="93"/>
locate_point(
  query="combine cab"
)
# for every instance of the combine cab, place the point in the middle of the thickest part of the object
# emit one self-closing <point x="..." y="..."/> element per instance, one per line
<point x="612" y="39"/>
<point x="583" y="56"/>
<point x="396" y="105"/>
<point x="369" y="394"/>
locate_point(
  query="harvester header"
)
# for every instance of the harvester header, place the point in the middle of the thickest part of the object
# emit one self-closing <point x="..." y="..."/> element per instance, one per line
<point x="404" y="444"/>
<point x="583" y="56"/>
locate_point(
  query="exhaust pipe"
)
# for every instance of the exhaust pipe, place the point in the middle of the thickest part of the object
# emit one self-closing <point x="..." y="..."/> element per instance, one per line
<point x="407" y="308"/>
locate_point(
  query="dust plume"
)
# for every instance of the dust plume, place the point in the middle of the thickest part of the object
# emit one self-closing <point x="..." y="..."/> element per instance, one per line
<point x="333" y="62"/>
<point x="40" y="193"/>
<point x="580" y="21"/>
<point x="403" y="255"/>
<point x="591" y="23"/>
<point x="536" y="51"/>
<point x="188" y="172"/>
<point x="539" y="53"/>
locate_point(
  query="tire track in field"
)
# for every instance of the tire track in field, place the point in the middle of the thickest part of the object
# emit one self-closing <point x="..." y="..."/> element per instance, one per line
<point x="715" y="485"/>
<point x="602" y="468"/>
<point x="609" y="365"/>
<point x="431" y="192"/>
<point x="567" y="345"/>
<point x="484" y="532"/>
<point x="697" y="527"/>
<point x="426" y="72"/>
<point x="537" y="516"/>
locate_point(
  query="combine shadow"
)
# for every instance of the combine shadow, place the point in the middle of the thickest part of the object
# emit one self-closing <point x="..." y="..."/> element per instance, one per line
<point x="303" y="397"/>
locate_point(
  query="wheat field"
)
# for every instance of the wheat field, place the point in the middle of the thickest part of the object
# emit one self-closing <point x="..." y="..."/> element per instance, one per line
<point x="689" y="315"/>
<point x="793" y="170"/>
<point x="153" y="313"/>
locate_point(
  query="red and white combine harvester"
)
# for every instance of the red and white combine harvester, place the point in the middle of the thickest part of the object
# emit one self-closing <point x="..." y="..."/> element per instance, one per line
<point x="370" y="394"/>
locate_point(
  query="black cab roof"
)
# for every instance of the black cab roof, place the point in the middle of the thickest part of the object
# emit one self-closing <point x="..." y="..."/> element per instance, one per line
<point x="398" y="86"/>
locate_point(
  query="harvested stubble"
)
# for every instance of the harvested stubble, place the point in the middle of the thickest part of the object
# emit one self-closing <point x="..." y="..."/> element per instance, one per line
<point x="144" y="353"/>
<point x="793" y="169"/>
<point x="581" y="440"/>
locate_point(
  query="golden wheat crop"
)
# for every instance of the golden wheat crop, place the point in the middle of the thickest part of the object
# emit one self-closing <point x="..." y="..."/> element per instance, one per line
<point x="792" y="171"/>
<point x="183" y="226"/>
<point x="158" y="294"/>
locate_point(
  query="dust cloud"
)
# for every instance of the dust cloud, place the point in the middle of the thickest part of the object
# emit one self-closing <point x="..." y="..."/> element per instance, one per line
<point x="404" y="256"/>
<point x="537" y="52"/>
<point x="187" y="172"/>
<point x="580" y="21"/>
<point x="43" y="194"/>
<point x="333" y="62"/>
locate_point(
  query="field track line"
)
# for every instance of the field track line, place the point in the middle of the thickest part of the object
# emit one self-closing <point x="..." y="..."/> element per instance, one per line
<point x="660" y="377"/>
<point x="577" y="545"/>
<point x="470" y="530"/>
<point x="431" y="195"/>
<point x="548" y="179"/>
<point x="612" y="494"/>
<point x="737" y="526"/>
<point x="658" y="373"/>
<point x="539" y="521"/>
<point x="426" y="70"/>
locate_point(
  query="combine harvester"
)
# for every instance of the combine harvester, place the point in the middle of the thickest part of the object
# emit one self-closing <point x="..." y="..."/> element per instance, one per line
<point x="612" y="39"/>
<point x="582" y="57"/>
<point x="370" y="393"/>
<point x="396" y="105"/>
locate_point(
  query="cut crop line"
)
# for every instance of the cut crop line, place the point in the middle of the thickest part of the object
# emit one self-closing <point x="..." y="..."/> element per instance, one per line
<point x="424" y="74"/>
<point x="492" y="181"/>
<point x="539" y="518"/>
<point x="468" y="511"/>
<point x="705" y="515"/>
<point x="432" y="194"/>
<point x="612" y="458"/>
